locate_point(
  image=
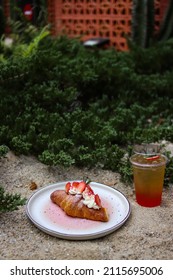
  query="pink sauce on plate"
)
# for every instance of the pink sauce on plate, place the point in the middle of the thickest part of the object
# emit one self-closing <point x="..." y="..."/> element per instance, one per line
<point x="57" y="216"/>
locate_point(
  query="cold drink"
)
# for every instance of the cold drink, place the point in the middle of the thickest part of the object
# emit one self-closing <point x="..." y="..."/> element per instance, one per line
<point x="148" y="172"/>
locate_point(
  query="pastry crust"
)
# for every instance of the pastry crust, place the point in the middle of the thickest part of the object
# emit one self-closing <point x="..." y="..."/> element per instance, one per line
<point x="74" y="207"/>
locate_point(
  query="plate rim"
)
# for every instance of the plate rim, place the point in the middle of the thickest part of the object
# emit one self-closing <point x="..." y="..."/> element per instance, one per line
<point x="74" y="236"/>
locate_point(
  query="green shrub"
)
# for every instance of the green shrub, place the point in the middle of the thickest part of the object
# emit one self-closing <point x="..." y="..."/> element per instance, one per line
<point x="73" y="106"/>
<point x="10" y="202"/>
<point x="3" y="150"/>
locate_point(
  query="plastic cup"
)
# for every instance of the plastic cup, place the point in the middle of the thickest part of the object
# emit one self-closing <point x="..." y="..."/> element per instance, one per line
<point x="147" y="149"/>
<point x="148" y="174"/>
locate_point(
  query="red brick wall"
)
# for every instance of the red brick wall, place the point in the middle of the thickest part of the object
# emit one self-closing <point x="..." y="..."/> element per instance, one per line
<point x="160" y="8"/>
<point x="6" y="6"/>
<point x="94" y="18"/>
<point x="163" y="6"/>
<point x="97" y="18"/>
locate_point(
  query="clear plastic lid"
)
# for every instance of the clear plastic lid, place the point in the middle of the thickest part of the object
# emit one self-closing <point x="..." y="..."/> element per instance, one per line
<point x="147" y="149"/>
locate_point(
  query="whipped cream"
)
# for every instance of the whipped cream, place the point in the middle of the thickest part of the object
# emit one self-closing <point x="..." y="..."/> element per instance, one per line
<point x="89" y="201"/>
<point x="74" y="190"/>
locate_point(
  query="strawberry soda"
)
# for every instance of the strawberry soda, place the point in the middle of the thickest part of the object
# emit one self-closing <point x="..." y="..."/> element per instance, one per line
<point x="148" y="174"/>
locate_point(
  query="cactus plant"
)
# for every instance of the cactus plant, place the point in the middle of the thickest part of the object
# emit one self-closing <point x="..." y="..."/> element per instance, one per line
<point x="2" y="22"/>
<point x="166" y="28"/>
<point x="142" y="21"/>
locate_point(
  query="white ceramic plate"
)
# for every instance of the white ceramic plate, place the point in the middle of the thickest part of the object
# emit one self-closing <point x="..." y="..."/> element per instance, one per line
<point x="51" y="219"/>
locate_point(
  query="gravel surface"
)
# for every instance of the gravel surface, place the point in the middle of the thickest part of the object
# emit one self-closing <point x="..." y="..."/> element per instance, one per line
<point x="147" y="234"/>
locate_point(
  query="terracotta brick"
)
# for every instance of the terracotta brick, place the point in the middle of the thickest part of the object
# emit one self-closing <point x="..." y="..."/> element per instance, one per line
<point x="97" y="18"/>
<point x="94" y="18"/>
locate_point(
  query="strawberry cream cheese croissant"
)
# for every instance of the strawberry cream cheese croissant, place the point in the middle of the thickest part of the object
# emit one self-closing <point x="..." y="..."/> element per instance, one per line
<point x="78" y="200"/>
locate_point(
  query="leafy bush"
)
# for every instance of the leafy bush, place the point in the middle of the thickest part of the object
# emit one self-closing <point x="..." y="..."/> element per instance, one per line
<point x="73" y="106"/>
<point x="10" y="202"/>
<point x="3" y="150"/>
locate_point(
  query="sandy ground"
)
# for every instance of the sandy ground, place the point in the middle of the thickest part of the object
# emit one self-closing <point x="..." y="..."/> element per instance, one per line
<point x="147" y="234"/>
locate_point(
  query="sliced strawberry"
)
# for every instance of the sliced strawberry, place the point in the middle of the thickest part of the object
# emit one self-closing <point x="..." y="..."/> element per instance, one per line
<point x="153" y="157"/>
<point x="75" y="184"/>
<point x="97" y="200"/>
<point x="89" y="190"/>
<point x="81" y="186"/>
<point x="67" y="187"/>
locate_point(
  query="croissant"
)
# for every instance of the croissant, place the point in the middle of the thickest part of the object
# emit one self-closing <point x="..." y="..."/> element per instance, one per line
<point x="74" y="206"/>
